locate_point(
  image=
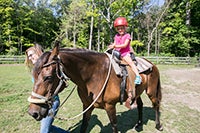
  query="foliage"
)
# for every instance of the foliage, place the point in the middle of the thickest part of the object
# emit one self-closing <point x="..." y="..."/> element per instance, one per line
<point x="73" y="20"/>
<point x="179" y="38"/>
<point x="136" y="43"/>
<point x="24" y="22"/>
<point x="12" y="51"/>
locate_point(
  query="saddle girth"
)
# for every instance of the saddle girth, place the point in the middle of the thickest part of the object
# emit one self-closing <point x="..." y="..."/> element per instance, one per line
<point x="123" y="82"/>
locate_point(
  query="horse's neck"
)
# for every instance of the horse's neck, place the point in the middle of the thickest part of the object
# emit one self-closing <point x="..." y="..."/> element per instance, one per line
<point x="79" y="66"/>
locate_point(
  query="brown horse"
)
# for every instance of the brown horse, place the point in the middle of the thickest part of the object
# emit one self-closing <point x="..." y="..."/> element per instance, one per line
<point x="89" y="71"/>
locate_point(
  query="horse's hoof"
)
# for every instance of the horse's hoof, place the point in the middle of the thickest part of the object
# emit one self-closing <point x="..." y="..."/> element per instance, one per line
<point x="159" y="127"/>
<point x="138" y="126"/>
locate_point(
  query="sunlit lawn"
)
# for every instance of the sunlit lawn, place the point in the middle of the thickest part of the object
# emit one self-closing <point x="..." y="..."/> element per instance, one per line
<point x="16" y="86"/>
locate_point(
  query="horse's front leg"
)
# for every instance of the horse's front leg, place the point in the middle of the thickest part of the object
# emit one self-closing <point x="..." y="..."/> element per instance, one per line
<point x="111" y="112"/>
<point x="86" y="118"/>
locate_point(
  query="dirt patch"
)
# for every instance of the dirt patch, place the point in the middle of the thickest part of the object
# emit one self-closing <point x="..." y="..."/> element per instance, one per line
<point x="183" y="87"/>
<point x="184" y="75"/>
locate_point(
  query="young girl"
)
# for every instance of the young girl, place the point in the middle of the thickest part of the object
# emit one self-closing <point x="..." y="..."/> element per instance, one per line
<point x="122" y="44"/>
<point x="32" y="54"/>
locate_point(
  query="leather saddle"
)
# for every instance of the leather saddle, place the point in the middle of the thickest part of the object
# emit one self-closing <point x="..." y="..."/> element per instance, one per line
<point x="120" y="68"/>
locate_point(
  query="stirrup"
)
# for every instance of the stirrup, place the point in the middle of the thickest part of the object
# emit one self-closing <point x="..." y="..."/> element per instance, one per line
<point x="138" y="80"/>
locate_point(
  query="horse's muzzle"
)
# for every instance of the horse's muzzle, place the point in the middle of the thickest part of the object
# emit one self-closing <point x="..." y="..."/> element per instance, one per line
<point x="38" y="114"/>
<point x="35" y="114"/>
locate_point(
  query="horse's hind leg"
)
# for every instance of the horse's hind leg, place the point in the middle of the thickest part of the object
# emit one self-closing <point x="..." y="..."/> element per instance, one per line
<point x="155" y="97"/>
<point x="85" y="120"/>
<point x="157" y="112"/>
<point x="140" y="113"/>
<point x="111" y="112"/>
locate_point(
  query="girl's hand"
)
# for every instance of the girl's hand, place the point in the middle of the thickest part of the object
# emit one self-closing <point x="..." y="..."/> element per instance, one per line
<point x="112" y="45"/>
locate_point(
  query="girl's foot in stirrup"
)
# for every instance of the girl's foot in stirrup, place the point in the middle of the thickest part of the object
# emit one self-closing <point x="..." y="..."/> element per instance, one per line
<point x="129" y="99"/>
<point x="127" y="104"/>
<point x="138" y="80"/>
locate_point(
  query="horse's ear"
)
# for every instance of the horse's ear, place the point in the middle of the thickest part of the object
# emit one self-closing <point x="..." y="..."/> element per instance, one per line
<point x="57" y="44"/>
<point x="55" y="51"/>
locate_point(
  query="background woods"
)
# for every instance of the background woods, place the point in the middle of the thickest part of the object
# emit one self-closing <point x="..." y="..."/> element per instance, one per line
<point x="155" y="29"/>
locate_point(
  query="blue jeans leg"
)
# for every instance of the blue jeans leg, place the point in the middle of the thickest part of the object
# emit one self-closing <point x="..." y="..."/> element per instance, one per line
<point x="46" y="123"/>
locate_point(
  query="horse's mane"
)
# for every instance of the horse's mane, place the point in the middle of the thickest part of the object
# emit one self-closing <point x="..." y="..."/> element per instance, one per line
<point x="79" y="52"/>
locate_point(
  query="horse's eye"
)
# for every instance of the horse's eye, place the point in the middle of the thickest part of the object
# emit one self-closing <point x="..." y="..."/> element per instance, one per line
<point x="48" y="78"/>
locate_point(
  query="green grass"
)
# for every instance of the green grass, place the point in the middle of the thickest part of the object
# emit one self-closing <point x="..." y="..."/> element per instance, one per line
<point x="16" y="86"/>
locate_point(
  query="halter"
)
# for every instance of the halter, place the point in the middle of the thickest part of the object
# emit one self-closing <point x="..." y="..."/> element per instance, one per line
<point x="63" y="79"/>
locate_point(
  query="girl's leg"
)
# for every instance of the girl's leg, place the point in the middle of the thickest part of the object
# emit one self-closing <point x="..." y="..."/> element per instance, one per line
<point x="128" y="59"/>
<point x="138" y="80"/>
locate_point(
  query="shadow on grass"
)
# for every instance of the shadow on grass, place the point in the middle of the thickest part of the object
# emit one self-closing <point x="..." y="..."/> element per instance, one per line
<point x="126" y="121"/>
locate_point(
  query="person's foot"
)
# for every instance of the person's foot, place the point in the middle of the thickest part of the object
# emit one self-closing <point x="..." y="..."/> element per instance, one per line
<point x="138" y="80"/>
<point x="129" y="99"/>
<point x="128" y="103"/>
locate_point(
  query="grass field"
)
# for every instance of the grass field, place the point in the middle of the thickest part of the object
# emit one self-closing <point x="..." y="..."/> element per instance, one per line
<point x="180" y="109"/>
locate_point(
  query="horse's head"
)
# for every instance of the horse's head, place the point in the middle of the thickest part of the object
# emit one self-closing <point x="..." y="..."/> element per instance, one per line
<point x="49" y="80"/>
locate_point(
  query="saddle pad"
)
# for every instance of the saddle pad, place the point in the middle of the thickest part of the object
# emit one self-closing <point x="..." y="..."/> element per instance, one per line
<point x="143" y="65"/>
<point x="115" y="65"/>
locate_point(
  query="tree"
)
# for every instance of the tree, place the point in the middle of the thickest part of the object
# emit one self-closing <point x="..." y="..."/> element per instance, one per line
<point x="89" y="24"/>
<point x="25" y="22"/>
<point x="7" y="25"/>
<point x="194" y="27"/>
<point x="175" y="38"/>
<point x="73" y="20"/>
<point x="157" y="22"/>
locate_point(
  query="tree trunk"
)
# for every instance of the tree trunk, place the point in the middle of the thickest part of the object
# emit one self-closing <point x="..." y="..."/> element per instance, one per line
<point x="156" y="41"/>
<point x="74" y="34"/>
<point x="91" y="27"/>
<point x="188" y="23"/>
<point x="91" y="32"/>
<point x="149" y="35"/>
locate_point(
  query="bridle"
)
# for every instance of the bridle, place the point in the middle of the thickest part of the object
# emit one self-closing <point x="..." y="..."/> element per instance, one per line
<point x="39" y="99"/>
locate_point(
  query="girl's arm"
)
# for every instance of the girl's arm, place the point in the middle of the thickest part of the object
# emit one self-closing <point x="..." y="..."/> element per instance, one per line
<point x="112" y="45"/>
<point x="122" y="45"/>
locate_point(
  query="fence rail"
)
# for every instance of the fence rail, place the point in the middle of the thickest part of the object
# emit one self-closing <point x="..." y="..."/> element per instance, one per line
<point x="157" y="60"/>
<point x="11" y="59"/>
<point x="173" y="60"/>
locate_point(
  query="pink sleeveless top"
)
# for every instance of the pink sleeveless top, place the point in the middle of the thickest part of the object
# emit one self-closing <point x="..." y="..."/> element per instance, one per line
<point x="121" y="40"/>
